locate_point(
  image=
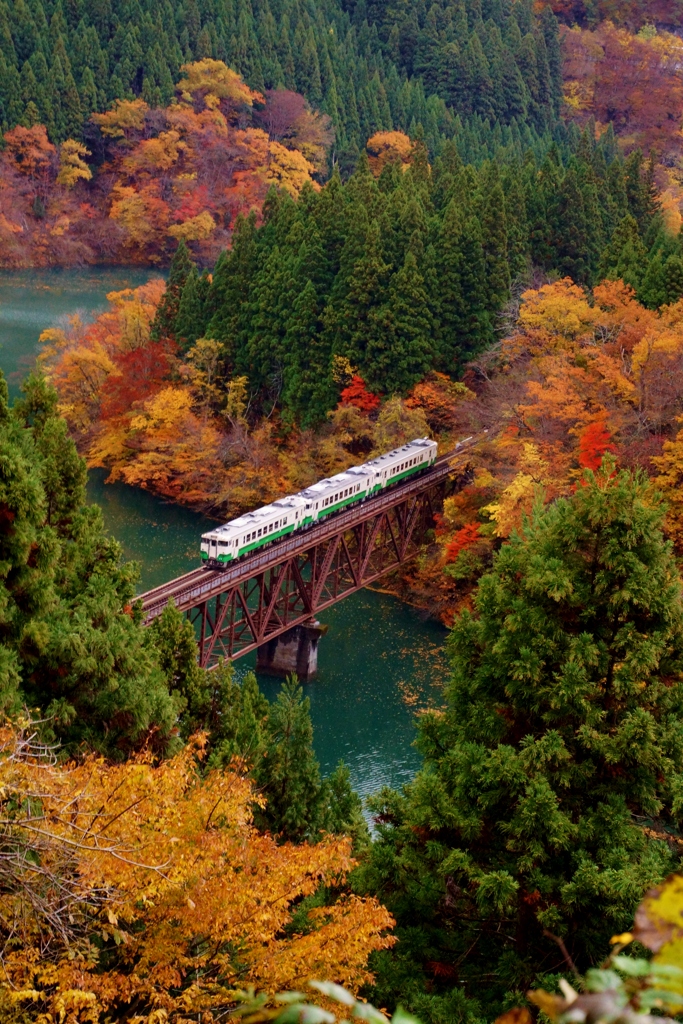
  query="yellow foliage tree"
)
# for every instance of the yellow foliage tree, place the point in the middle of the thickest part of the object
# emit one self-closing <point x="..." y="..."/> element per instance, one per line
<point x="194" y="229"/>
<point x="288" y="168"/>
<point x="137" y="889"/>
<point x="559" y="311"/>
<point x="158" y="154"/>
<point x="140" y="212"/>
<point x="72" y="166"/>
<point x="214" y="81"/>
<point x="123" y="117"/>
<point x="173" y="448"/>
<point x="388" y="147"/>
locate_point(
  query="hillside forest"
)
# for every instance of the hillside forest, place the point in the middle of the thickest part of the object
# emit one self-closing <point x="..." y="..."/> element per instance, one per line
<point x="368" y="222"/>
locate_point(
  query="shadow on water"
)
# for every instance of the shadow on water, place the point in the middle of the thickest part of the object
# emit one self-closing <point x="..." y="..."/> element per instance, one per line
<point x="380" y="663"/>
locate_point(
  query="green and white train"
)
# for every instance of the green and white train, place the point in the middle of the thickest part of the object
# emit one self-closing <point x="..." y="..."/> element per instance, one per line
<point x="256" y="529"/>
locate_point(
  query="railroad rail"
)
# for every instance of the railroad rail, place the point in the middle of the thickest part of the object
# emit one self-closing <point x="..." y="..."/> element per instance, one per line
<point x="287" y="584"/>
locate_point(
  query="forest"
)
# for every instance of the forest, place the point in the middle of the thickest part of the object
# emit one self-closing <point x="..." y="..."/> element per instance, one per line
<point x="368" y="222"/>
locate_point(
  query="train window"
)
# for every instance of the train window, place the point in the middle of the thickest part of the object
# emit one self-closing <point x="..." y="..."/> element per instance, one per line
<point x="259" y="533"/>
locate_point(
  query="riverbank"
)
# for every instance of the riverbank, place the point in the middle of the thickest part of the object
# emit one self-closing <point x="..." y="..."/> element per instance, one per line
<point x="380" y="661"/>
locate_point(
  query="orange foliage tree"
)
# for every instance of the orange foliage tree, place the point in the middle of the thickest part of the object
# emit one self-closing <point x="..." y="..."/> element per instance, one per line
<point x="633" y="81"/>
<point x="183" y="172"/>
<point x="388" y="147"/>
<point x="580" y="376"/>
<point x="357" y="394"/>
<point x="137" y="889"/>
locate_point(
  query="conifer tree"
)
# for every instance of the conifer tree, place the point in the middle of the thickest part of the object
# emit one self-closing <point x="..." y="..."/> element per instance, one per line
<point x="570" y="229"/>
<point x="400" y="349"/>
<point x="495" y="240"/>
<point x="521" y="842"/>
<point x="309" y="391"/>
<point x="230" y="289"/>
<point x="357" y="319"/>
<point x="70" y="646"/>
<point x="625" y="256"/>
<point x="172" y="638"/>
<point x="653" y="290"/>
<point x="168" y="309"/>
<point x="288" y="773"/>
<point x="673" y="278"/>
<point x="190" y="321"/>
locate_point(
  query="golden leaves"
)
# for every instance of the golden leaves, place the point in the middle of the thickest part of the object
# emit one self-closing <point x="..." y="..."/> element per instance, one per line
<point x="388" y="147"/>
<point x="194" y="229"/>
<point x="124" y="116"/>
<point x="214" y="81"/>
<point x="72" y="166"/>
<point x="168" y="868"/>
<point x="288" y="168"/>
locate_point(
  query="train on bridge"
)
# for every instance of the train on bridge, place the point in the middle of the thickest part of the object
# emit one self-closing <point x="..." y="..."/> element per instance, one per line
<point x="225" y="544"/>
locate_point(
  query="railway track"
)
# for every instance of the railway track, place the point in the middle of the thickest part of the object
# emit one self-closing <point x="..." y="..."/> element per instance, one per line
<point x="202" y="584"/>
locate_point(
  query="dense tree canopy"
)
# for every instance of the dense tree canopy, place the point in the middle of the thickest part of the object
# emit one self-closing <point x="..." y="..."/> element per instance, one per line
<point x="408" y="271"/>
<point x="521" y="842"/>
<point x="59" y="62"/>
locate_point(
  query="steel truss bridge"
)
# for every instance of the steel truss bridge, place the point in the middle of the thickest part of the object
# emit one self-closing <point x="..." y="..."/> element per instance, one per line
<point x="290" y="582"/>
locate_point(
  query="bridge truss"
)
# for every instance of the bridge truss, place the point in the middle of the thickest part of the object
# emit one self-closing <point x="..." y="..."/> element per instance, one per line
<point x="289" y="583"/>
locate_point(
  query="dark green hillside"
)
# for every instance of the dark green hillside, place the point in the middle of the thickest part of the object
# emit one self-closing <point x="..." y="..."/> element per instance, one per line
<point x="404" y="273"/>
<point x="62" y="59"/>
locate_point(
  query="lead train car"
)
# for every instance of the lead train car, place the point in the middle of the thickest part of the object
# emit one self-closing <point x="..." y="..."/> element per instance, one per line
<point x="256" y="529"/>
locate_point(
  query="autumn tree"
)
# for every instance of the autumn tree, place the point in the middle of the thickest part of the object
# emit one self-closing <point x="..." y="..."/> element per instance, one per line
<point x="356" y="393"/>
<point x="72" y="165"/>
<point x="133" y="904"/>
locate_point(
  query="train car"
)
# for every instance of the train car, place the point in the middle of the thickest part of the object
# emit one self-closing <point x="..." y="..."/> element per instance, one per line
<point x="257" y="529"/>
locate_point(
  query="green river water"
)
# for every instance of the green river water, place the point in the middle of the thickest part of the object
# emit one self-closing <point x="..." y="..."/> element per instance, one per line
<point x="379" y="662"/>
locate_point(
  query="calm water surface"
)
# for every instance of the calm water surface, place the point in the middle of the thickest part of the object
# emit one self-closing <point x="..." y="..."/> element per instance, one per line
<point x="31" y="300"/>
<point x="379" y="662"/>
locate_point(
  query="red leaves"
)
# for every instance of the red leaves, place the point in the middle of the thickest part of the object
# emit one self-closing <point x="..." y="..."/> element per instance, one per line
<point x="467" y="537"/>
<point x="142" y="371"/>
<point x="357" y="394"/>
<point x="594" y="441"/>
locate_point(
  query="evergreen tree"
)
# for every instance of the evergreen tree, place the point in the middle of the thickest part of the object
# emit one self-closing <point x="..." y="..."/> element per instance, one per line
<point x="400" y="350"/>
<point x="357" y="322"/>
<point x="570" y="228"/>
<point x="673" y="278"/>
<point x="562" y="735"/>
<point x="171" y="636"/>
<point x="653" y="290"/>
<point x="70" y="648"/>
<point x="625" y="255"/>
<point x="189" y="323"/>
<point x="495" y="241"/>
<point x="169" y="307"/>
<point x="309" y="391"/>
<point x="288" y="774"/>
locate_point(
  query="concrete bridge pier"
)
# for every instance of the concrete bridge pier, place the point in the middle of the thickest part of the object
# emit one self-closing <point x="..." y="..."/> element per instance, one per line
<point x="293" y="652"/>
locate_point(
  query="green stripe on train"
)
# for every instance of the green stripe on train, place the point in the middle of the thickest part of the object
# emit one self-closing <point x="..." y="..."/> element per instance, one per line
<point x="340" y="504"/>
<point x="268" y="537"/>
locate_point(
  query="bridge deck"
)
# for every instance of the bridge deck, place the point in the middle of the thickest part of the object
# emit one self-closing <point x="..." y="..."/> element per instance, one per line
<point x="202" y="584"/>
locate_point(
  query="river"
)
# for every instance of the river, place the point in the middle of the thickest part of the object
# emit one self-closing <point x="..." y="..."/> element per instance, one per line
<point x="379" y="662"/>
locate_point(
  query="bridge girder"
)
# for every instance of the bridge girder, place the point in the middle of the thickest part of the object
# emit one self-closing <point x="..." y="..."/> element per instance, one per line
<point x="291" y="581"/>
<point x="252" y="611"/>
